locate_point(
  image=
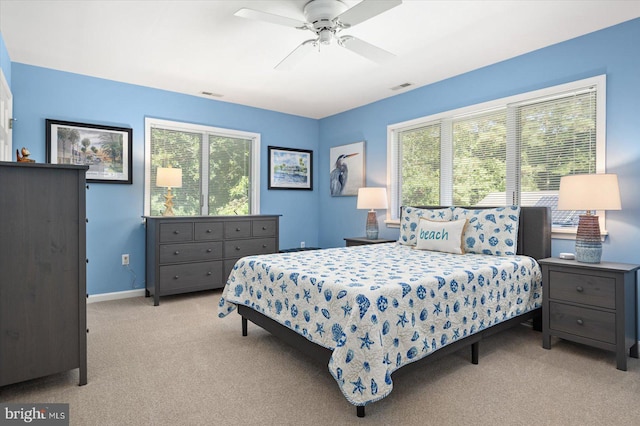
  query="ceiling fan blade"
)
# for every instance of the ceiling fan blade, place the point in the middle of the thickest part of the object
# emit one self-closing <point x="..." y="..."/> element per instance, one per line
<point x="270" y="17"/>
<point x="364" y="10"/>
<point x="365" y="49"/>
<point x="294" y="57"/>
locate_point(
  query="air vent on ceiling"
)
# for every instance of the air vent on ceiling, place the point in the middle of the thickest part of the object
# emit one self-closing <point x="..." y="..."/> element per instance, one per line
<point x="215" y="95"/>
<point x="401" y="86"/>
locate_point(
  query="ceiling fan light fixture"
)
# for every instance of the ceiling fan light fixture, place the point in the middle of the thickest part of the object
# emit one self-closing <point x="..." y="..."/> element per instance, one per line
<point x="325" y="36"/>
<point x="327" y="18"/>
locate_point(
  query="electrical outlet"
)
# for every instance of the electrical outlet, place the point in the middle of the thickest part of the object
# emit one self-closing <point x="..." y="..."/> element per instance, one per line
<point x="302" y="244"/>
<point x="125" y="259"/>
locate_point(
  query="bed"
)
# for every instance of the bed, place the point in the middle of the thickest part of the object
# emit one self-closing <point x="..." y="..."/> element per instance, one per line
<point x="370" y="310"/>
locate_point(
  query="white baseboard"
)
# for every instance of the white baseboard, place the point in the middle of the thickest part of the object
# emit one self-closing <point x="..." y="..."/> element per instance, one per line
<point x="115" y="295"/>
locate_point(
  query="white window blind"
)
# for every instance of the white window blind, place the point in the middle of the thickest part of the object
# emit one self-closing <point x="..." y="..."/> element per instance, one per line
<point x="557" y="137"/>
<point x="220" y="168"/>
<point x="419" y="150"/>
<point x="509" y="151"/>
<point x="479" y="157"/>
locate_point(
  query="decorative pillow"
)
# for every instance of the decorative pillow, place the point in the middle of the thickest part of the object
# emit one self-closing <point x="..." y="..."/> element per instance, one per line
<point x="490" y="231"/>
<point x="441" y="236"/>
<point x="409" y="217"/>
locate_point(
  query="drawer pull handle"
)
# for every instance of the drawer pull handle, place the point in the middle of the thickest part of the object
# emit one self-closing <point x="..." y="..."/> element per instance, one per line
<point x="264" y="246"/>
<point x="237" y="229"/>
<point x="209" y="250"/>
<point x="176" y="232"/>
<point x="209" y="273"/>
<point x="579" y="289"/>
<point x="580" y="322"/>
<point x="176" y="277"/>
<point x="208" y="231"/>
<point x="176" y="252"/>
<point x="264" y="228"/>
<point x="238" y="248"/>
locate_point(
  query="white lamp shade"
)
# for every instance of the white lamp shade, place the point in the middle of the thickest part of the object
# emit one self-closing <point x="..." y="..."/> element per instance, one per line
<point x="169" y="177"/>
<point x="589" y="192"/>
<point x="372" y="198"/>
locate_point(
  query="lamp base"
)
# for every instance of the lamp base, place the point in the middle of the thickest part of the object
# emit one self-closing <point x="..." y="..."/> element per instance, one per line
<point x="168" y="204"/>
<point x="588" y="244"/>
<point x="372" y="226"/>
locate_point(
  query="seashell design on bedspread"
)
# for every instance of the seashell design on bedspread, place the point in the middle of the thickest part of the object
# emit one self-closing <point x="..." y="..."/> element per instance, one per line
<point x="379" y="307"/>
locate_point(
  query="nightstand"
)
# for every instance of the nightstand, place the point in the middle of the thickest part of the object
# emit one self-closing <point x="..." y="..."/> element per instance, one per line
<point x="361" y="241"/>
<point x="592" y="304"/>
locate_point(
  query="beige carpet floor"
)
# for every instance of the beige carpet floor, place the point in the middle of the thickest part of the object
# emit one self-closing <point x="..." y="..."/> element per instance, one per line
<point x="179" y="364"/>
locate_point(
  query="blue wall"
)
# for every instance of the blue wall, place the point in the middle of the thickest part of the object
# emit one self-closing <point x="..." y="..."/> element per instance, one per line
<point x="314" y="216"/>
<point x="115" y="210"/>
<point x="613" y="51"/>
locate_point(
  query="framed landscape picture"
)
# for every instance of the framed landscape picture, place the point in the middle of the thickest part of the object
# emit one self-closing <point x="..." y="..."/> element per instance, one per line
<point x="346" y="169"/>
<point x="105" y="149"/>
<point x="290" y="168"/>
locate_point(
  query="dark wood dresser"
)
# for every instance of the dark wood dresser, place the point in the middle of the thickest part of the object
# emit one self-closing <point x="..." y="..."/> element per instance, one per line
<point x="43" y="317"/>
<point x="593" y="304"/>
<point x="193" y="253"/>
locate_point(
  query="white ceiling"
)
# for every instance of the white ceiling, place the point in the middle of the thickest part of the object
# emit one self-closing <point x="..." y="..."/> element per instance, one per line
<point x="195" y="46"/>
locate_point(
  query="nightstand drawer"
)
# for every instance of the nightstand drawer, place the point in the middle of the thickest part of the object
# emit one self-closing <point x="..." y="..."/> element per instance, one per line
<point x="173" y="253"/>
<point x="584" y="289"/>
<point x="589" y="323"/>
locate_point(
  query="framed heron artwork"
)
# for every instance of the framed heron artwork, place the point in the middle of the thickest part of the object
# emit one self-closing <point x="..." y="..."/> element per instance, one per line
<point x="290" y="168"/>
<point x="346" y="169"/>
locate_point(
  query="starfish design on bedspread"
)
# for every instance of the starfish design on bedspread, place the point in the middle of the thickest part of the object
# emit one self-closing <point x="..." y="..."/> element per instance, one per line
<point x="358" y="386"/>
<point x="366" y="341"/>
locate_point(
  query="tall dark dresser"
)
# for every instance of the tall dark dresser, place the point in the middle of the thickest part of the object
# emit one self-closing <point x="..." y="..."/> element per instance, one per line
<point x="43" y="318"/>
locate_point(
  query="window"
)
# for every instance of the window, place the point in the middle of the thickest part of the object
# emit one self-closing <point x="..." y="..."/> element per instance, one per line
<point x="509" y="151"/>
<point x="220" y="168"/>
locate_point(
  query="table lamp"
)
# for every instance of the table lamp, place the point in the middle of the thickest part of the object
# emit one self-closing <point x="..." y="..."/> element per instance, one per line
<point x="589" y="192"/>
<point x="372" y="198"/>
<point x="170" y="178"/>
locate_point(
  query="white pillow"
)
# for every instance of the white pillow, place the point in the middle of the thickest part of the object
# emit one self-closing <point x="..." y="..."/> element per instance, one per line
<point x="441" y="236"/>
<point x="410" y="216"/>
<point x="490" y="231"/>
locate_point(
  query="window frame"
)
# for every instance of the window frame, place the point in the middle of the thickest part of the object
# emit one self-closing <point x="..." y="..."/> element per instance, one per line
<point x="445" y="118"/>
<point x="206" y="131"/>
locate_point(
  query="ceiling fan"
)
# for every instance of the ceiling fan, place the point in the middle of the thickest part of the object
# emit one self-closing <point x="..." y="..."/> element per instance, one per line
<point x="326" y="18"/>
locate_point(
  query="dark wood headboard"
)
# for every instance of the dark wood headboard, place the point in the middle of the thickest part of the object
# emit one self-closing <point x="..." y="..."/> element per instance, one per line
<point x="534" y="230"/>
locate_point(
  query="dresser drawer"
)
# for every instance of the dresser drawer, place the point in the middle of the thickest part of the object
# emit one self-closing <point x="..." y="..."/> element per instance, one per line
<point x="228" y="267"/>
<point x="264" y="228"/>
<point x="237" y="229"/>
<point x="584" y="289"/>
<point x="589" y="323"/>
<point x="194" y="276"/>
<point x="241" y="248"/>
<point x="174" y="232"/>
<point x="209" y="231"/>
<point x="173" y="253"/>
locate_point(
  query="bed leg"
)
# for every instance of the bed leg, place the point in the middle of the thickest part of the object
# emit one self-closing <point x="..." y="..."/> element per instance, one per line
<point x="360" y="410"/>
<point x="475" y="352"/>
<point x="244" y="326"/>
<point x="537" y="323"/>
